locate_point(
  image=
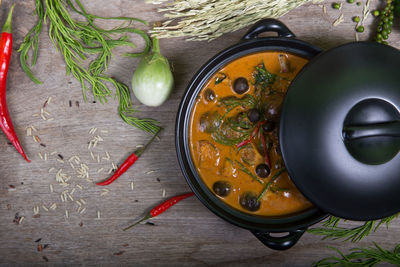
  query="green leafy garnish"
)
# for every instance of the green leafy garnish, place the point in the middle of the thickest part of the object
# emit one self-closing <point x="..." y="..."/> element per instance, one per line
<point x="330" y="229"/>
<point x="232" y="102"/>
<point x="263" y="78"/>
<point x="219" y="137"/>
<point x="220" y="78"/>
<point x="248" y="172"/>
<point x="76" y="40"/>
<point x="267" y="186"/>
<point x="360" y="257"/>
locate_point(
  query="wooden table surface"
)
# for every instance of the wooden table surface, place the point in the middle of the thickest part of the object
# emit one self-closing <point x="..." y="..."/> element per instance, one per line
<point x="188" y="234"/>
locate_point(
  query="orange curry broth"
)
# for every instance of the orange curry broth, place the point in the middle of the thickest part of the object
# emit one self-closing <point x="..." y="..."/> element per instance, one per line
<point x="213" y="168"/>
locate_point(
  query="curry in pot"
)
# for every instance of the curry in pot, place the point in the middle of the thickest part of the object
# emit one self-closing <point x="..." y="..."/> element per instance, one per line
<point x="234" y="134"/>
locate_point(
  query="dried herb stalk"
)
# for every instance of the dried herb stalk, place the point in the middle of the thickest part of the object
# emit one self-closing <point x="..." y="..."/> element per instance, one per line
<point x="209" y="19"/>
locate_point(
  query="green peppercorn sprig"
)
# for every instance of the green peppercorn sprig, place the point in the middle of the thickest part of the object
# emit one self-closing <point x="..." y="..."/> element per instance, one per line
<point x="385" y="24"/>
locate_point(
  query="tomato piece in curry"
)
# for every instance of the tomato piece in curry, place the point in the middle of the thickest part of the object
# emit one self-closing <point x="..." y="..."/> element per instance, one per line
<point x="234" y="134"/>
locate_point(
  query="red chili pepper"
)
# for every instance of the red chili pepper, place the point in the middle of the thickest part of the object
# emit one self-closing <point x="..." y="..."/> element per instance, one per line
<point x="5" y="56"/>
<point x="255" y="131"/>
<point x="266" y="156"/>
<point x="157" y="210"/>
<point x="127" y="163"/>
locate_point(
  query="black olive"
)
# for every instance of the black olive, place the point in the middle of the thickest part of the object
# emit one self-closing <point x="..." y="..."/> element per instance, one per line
<point x="249" y="201"/>
<point x="222" y="188"/>
<point x="209" y="122"/>
<point x="209" y="95"/>
<point x="254" y="115"/>
<point x="262" y="170"/>
<point x="240" y="86"/>
<point x="269" y="126"/>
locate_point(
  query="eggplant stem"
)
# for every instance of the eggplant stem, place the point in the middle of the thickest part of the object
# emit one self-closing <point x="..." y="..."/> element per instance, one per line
<point x="156" y="46"/>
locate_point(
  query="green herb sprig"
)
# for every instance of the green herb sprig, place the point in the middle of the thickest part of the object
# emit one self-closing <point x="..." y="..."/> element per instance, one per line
<point x="248" y="172"/>
<point x="76" y="40"/>
<point x="271" y="181"/>
<point x="263" y="79"/>
<point x="330" y="229"/>
<point x="362" y="257"/>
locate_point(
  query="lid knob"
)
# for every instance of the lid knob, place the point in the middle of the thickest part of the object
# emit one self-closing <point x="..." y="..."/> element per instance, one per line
<point x="371" y="131"/>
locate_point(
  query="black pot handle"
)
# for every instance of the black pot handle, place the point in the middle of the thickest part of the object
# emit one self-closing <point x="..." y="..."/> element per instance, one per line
<point x="268" y="25"/>
<point x="281" y="242"/>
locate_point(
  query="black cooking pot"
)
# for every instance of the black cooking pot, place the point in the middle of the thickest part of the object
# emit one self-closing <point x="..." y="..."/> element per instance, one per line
<point x="262" y="227"/>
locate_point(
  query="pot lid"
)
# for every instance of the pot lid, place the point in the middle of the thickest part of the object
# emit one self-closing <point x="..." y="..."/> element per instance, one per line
<point x="340" y="131"/>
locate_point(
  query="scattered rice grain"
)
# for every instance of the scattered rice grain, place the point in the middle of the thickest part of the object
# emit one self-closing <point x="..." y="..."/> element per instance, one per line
<point x="163" y="193"/>
<point x="98" y="158"/>
<point x="104" y="131"/>
<point x="66" y="214"/>
<point x="79" y="186"/>
<point x="45" y="156"/>
<point x="51" y="188"/>
<point x="98" y="214"/>
<point x="82" y="211"/>
<point x="100" y="170"/>
<point x="40" y="155"/>
<point x="36" y="210"/>
<point x="53" y="153"/>
<point x="21" y="219"/>
<point x="110" y="170"/>
<point x="82" y="200"/>
<point x="132" y="185"/>
<point x="92" y="155"/>
<point x="51" y="119"/>
<point x="61" y="161"/>
<point x="29" y="131"/>
<point x="45" y="208"/>
<point x="53" y="207"/>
